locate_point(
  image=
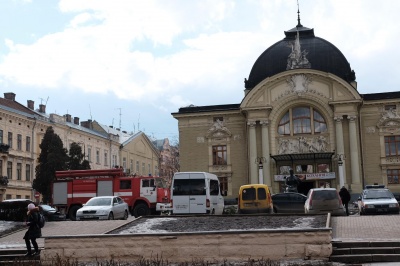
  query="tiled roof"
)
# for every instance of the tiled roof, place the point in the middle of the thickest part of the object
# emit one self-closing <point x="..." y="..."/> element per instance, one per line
<point x="16" y="106"/>
<point x="210" y="108"/>
<point x="123" y="137"/>
<point x="381" y="96"/>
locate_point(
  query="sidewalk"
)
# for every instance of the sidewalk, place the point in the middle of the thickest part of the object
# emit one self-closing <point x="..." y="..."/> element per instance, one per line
<point x="366" y="228"/>
<point x="15" y="240"/>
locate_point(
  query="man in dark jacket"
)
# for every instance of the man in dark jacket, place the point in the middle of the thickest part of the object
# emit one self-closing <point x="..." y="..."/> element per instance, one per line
<point x="34" y="230"/>
<point x="345" y="196"/>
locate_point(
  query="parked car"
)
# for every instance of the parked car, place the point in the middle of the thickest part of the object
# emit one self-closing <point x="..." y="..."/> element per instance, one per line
<point x="103" y="208"/>
<point x="376" y="199"/>
<point x="255" y="198"/>
<point x="51" y="214"/>
<point x="324" y="200"/>
<point x="397" y="196"/>
<point x="14" y="209"/>
<point x="288" y="202"/>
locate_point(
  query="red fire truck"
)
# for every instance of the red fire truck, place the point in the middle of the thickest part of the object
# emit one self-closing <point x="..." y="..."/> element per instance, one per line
<point x="72" y="189"/>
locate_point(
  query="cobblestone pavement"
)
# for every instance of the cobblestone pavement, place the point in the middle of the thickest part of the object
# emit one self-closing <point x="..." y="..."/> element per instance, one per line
<point x="366" y="228"/>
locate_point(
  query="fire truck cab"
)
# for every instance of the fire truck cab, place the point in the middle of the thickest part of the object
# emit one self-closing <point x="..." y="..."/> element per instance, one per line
<point x="72" y="189"/>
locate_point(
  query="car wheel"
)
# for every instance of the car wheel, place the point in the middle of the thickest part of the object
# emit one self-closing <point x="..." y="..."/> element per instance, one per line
<point x="125" y="215"/>
<point x="141" y="210"/>
<point x="72" y="212"/>
<point x="111" y="216"/>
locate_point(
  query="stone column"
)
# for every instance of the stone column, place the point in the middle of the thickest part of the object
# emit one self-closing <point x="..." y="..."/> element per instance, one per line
<point x="253" y="166"/>
<point x="265" y="152"/>
<point x="355" y="162"/>
<point x="340" y="144"/>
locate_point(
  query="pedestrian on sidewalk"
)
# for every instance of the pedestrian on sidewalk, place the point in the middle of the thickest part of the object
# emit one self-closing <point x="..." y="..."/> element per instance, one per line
<point x="345" y="196"/>
<point x="34" y="230"/>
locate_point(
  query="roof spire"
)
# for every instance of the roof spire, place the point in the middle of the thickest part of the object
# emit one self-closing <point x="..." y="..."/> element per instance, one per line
<point x="298" y="16"/>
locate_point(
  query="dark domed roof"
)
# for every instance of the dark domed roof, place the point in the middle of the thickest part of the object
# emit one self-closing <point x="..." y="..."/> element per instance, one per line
<point x="321" y="55"/>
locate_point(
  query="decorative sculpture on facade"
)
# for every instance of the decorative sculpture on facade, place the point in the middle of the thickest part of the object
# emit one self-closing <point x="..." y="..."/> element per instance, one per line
<point x="297" y="58"/>
<point x="302" y="145"/>
<point x="291" y="182"/>
<point x="299" y="83"/>
<point x="390" y="118"/>
<point x="218" y="129"/>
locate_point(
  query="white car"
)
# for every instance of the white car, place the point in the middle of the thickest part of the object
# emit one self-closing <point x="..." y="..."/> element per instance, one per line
<point x="103" y="208"/>
<point x="376" y="199"/>
<point x="324" y="200"/>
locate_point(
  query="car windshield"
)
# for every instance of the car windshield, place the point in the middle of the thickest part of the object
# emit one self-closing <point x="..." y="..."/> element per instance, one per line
<point x="377" y="194"/>
<point x="47" y="208"/>
<point x="99" y="202"/>
<point x="324" y="195"/>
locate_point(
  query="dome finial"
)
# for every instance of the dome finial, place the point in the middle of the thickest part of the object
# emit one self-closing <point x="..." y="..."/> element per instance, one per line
<point x="298" y="15"/>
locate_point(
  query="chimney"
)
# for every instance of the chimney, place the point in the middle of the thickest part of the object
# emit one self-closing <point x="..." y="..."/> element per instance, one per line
<point x="9" y="96"/>
<point x="87" y="124"/>
<point x="76" y="120"/>
<point x="42" y="108"/>
<point x="68" y="118"/>
<point x="31" y="104"/>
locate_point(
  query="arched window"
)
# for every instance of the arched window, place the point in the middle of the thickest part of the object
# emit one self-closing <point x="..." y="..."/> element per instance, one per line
<point x="302" y="120"/>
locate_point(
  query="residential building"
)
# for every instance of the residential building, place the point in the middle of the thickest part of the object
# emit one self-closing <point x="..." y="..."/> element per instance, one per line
<point x="169" y="158"/>
<point x="137" y="154"/>
<point x="21" y="131"/>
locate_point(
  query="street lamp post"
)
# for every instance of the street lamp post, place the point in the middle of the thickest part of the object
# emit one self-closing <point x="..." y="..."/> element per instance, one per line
<point x="260" y="161"/>
<point x="340" y="165"/>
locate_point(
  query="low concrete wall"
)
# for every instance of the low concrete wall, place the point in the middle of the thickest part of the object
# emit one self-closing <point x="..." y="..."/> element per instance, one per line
<point x="181" y="247"/>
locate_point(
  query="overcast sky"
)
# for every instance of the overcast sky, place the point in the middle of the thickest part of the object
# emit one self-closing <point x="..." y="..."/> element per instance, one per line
<point x="131" y="63"/>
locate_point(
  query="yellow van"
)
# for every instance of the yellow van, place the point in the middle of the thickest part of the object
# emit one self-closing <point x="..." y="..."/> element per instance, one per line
<point x="255" y="198"/>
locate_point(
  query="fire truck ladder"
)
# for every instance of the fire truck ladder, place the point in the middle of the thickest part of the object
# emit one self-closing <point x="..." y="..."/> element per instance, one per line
<point x="76" y="174"/>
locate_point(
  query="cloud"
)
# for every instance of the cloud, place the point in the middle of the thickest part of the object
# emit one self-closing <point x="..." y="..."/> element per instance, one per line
<point x="185" y="52"/>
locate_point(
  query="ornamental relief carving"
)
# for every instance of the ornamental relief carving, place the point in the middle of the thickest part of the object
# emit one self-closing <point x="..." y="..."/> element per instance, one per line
<point x="299" y="84"/>
<point x="389" y="119"/>
<point x="392" y="159"/>
<point x="218" y="168"/>
<point x="218" y="130"/>
<point x="302" y="145"/>
<point x="370" y="130"/>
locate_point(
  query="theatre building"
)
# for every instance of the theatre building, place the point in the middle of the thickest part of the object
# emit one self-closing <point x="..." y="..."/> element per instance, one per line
<point x="301" y="110"/>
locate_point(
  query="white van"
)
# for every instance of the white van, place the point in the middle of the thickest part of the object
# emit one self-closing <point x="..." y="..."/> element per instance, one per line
<point x="196" y="192"/>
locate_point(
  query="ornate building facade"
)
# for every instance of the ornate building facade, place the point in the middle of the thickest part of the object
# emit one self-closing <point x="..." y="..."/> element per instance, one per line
<point x="301" y="110"/>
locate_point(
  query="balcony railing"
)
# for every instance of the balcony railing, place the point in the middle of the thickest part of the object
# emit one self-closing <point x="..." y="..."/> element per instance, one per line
<point x="4" y="148"/>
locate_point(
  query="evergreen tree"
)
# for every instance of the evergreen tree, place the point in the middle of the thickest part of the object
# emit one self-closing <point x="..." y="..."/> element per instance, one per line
<point x="53" y="157"/>
<point x="76" y="160"/>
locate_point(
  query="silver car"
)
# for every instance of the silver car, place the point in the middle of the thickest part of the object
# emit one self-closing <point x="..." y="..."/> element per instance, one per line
<point x="376" y="199"/>
<point x="324" y="200"/>
<point x="103" y="208"/>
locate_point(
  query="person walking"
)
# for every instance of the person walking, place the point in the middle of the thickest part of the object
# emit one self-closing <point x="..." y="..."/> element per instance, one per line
<point x="34" y="230"/>
<point x="345" y="196"/>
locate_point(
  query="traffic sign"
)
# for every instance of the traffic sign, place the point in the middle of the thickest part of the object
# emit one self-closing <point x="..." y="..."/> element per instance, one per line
<point x="37" y="194"/>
